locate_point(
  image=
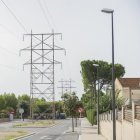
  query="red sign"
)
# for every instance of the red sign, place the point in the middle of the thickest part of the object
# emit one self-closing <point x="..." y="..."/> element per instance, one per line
<point x="80" y="110"/>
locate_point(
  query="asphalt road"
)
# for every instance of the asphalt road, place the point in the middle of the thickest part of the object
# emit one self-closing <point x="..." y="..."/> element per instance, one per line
<point x="61" y="131"/>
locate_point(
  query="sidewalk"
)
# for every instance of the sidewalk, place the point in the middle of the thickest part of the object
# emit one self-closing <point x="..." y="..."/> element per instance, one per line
<point x="89" y="132"/>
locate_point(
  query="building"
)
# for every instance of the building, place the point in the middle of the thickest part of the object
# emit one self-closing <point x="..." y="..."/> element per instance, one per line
<point x="129" y="89"/>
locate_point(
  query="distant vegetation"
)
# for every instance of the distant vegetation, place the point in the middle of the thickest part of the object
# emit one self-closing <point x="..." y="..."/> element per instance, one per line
<point x="9" y="103"/>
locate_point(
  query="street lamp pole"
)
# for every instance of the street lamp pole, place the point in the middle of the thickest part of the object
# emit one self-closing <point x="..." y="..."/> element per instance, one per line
<point x="110" y="11"/>
<point x="98" y="121"/>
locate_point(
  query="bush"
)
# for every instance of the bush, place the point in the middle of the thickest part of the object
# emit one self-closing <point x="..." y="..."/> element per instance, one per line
<point x="91" y="116"/>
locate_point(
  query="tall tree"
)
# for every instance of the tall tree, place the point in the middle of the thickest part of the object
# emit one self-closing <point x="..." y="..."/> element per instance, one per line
<point x="89" y="72"/>
<point x="89" y="77"/>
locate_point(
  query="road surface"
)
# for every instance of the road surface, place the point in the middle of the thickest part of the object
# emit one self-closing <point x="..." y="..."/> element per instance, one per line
<point x="61" y="131"/>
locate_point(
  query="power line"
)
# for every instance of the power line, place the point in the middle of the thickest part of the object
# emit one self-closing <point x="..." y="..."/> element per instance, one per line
<point x="44" y="13"/>
<point x="11" y="12"/>
<point x="8" y="51"/>
<point x="49" y="13"/>
<point x="11" y="32"/>
<point x="11" y="67"/>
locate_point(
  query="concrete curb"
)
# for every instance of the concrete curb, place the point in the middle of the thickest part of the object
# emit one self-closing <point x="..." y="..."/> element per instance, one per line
<point x="24" y="136"/>
<point x="79" y="137"/>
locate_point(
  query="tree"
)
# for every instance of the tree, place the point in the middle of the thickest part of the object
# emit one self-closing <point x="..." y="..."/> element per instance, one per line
<point x="2" y="102"/>
<point x="10" y="100"/>
<point x="24" y="102"/>
<point x="24" y="97"/>
<point x="89" y="73"/>
<point x="89" y="78"/>
<point x="41" y="105"/>
<point x="71" y="103"/>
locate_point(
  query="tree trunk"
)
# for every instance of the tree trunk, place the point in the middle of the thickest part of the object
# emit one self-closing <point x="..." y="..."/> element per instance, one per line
<point x="75" y="121"/>
<point x="72" y="124"/>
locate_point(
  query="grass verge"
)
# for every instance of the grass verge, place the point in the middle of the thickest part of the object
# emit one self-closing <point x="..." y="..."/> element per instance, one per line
<point x="10" y="135"/>
<point x="39" y="123"/>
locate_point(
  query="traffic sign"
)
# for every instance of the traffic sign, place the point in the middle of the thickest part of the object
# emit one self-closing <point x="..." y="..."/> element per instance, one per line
<point x="21" y="110"/>
<point x="80" y="110"/>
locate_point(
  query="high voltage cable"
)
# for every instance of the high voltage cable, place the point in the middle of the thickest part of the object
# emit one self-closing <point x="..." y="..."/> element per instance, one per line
<point x="11" y="52"/>
<point x="11" y="12"/>
<point x="11" y="32"/>
<point x="49" y="13"/>
<point x="44" y="13"/>
<point x="11" y="67"/>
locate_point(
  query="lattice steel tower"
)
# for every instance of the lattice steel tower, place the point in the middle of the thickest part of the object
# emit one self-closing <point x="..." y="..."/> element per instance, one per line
<point x="42" y="61"/>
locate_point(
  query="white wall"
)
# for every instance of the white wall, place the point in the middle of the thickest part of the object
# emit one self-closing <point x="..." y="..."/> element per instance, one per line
<point x="137" y="130"/>
<point x="124" y="130"/>
<point x="135" y="94"/>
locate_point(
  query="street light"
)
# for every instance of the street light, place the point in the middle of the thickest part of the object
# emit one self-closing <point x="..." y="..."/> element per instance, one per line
<point x="110" y="11"/>
<point x="91" y="99"/>
<point x="98" y="121"/>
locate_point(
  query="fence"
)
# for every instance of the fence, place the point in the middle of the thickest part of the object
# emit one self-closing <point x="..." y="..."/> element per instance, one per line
<point x="119" y="116"/>
<point x="107" y="116"/>
<point x="137" y="112"/>
<point x="127" y="123"/>
<point x="125" y="114"/>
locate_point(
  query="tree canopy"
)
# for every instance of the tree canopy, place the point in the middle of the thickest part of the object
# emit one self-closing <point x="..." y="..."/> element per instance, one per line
<point x="89" y="72"/>
<point x="90" y="75"/>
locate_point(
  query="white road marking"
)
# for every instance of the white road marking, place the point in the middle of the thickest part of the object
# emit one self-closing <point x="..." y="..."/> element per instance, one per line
<point x="43" y="137"/>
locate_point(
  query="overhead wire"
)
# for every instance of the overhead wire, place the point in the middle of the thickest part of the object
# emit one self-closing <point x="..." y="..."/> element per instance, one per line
<point x="11" y="32"/>
<point x="21" y="25"/>
<point x="45" y="15"/>
<point x="8" y="51"/>
<point x="49" y="13"/>
<point x="15" y="17"/>
<point x="11" y="67"/>
<point x="11" y="12"/>
<point x="52" y="21"/>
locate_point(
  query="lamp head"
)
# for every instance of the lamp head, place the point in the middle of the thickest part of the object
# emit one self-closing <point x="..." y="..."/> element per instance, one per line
<point x="105" y="10"/>
<point x="95" y="65"/>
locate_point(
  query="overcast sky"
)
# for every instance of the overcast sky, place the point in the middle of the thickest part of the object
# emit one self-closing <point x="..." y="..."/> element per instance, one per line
<point x="86" y="35"/>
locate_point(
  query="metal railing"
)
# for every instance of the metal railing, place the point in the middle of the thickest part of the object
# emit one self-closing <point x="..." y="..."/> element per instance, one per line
<point x="127" y="114"/>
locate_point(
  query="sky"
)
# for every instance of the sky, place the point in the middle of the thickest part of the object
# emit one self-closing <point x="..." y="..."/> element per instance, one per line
<point x="86" y="36"/>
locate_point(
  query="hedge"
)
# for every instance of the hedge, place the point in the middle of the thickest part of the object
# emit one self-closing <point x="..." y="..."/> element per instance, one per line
<point x="91" y="116"/>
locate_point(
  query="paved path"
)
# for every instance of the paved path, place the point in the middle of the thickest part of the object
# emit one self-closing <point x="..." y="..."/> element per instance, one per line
<point x="89" y="132"/>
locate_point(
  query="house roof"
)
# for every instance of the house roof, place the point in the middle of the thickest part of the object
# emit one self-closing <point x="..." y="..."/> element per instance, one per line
<point x="130" y="82"/>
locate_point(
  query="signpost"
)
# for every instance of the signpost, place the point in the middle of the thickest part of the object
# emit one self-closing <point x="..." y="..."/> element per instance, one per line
<point x="21" y="111"/>
<point x="80" y="110"/>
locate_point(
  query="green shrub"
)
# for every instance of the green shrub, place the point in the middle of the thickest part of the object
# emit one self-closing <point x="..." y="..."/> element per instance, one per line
<point x="91" y="116"/>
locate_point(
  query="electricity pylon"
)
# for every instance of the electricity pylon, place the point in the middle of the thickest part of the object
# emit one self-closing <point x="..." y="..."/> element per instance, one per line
<point x="42" y="61"/>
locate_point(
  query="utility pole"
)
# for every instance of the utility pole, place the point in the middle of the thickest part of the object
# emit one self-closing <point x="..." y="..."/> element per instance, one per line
<point x="66" y="85"/>
<point x="42" y="62"/>
<point x="62" y="86"/>
<point x="69" y="85"/>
